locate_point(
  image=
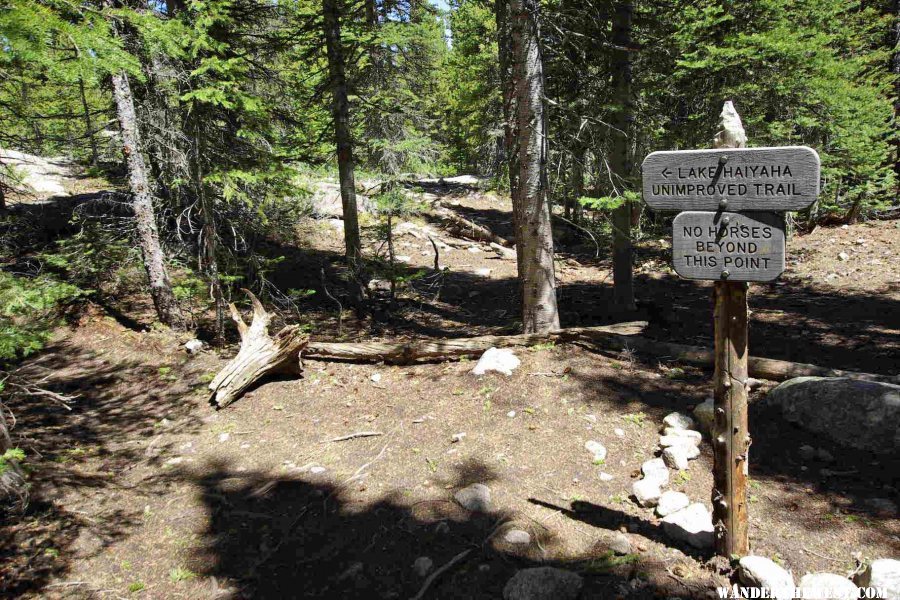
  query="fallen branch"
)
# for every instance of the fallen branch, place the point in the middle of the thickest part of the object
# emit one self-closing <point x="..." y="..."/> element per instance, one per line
<point x="439" y="572"/>
<point x="758" y="367"/>
<point x="408" y="352"/>
<point x="358" y="434"/>
<point x="468" y="228"/>
<point x="259" y="355"/>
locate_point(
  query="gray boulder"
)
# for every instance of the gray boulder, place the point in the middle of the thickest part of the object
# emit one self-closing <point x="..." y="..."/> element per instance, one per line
<point x="759" y="571"/>
<point x="827" y="586"/>
<point x="859" y="414"/>
<point x="543" y="583"/>
<point x="476" y="497"/>
<point x="883" y="573"/>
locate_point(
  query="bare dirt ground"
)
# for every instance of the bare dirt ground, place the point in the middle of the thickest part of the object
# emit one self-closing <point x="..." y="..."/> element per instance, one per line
<point x="142" y="490"/>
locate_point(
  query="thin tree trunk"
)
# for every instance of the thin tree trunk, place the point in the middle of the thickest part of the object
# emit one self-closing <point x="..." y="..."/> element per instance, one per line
<point x="340" y="109"/>
<point x="620" y="160"/>
<point x="154" y="263"/>
<point x="88" y="125"/>
<point x="576" y="182"/>
<point x="534" y="236"/>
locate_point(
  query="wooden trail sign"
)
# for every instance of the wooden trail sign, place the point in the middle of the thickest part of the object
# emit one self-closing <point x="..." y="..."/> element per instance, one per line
<point x="732" y="179"/>
<point x="728" y="246"/>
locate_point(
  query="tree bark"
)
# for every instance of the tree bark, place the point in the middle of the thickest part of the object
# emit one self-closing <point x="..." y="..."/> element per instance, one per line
<point x="620" y="157"/>
<point x="340" y="110"/>
<point x="534" y="235"/>
<point x="88" y="124"/>
<point x="148" y="234"/>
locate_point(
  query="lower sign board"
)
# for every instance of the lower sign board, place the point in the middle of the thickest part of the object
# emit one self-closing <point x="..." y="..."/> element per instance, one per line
<point x="728" y="246"/>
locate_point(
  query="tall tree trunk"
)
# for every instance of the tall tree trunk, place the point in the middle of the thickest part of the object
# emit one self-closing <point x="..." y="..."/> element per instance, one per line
<point x="504" y="59"/>
<point x="895" y="69"/>
<point x="209" y="261"/>
<point x="340" y="110"/>
<point x="576" y="182"/>
<point x="534" y="235"/>
<point x="88" y="124"/>
<point x="160" y="287"/>
<point x="620" y="159"/>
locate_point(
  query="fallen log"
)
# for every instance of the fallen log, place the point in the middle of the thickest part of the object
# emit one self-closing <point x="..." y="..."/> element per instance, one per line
<point x="758" y="367"/>
<point x="420" y="350"/>
<point x="469" y="229"/>
<point x="260" y="354"/>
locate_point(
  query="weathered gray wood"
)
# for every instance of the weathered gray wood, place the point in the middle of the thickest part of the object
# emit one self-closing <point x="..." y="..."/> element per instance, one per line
<point x="778" y="179"/>
<point x="728" y="246"/>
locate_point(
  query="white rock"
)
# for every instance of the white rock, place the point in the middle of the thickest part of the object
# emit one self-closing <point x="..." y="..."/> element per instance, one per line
<point x="476" y="497"/>
<point x="474" y="249"/>
<point x="676" y="420"/>
<point x="704" y="413"/>
<point x="759" y="571"/>
<point x="462" y="180"/>
<point x="224" y="437"/>
<point x="422" y="566"/>
<point x="883" y="573"/>
<point x="597" y="449"/>
<point x="604" y="476"/>
<point x="620" y="544"/>
<point x="511" y="414"/>
<point x="844" y="256"/>
<point x="692" y="525"/>
<point x="655" y="469"/>
<point x="375" y="377"/>
<point x="827" y="586"/>
<point x="517" y="536"/>
<point x="619" y="432"/>
<point x="483" y="272"/>
<point x="458" y="437"/>
<point x="676" y="457"/>
<point x="317" y="470"/>
<point x="193" y="346"/>
<point x="680" y="440"/>
<point x="494" y="359"/>
<point x="543" y="583"/>
<point x="647" y="492"/>
<point x="671" y="502"/>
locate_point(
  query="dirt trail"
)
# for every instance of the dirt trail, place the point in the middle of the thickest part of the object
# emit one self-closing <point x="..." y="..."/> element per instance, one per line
<point x="142" y="490"/>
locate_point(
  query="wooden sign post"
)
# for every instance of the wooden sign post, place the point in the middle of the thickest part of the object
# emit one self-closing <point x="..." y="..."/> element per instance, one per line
<point x="724" y="237"/>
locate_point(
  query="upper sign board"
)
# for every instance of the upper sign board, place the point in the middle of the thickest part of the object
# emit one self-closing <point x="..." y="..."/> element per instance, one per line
<point x="732" y="179"/>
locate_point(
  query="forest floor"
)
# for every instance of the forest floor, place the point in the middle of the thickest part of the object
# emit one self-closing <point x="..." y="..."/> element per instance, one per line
<point x="143" y="490"/>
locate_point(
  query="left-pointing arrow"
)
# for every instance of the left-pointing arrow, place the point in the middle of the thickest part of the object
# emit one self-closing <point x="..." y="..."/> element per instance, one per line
<point x="666" y="172"/>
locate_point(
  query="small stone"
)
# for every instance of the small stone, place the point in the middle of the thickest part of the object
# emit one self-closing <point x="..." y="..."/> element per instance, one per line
<point x="317" y="470"/>
<point x="759" y="571"/>
<point x="483" y="272"/>
<point x="590" y="418"/>
<point x="676" y="420"/>
<point x="692" y="525"/>
<point x="193" y="346"/>
<point x="647" y="492"/>
<point x="655" y="469"/>
<point x="517" y="536"/>
<point x="375" y="377"/>
<point x="457" y="437"/>
<point x="175" y="461"/>
<point x="824" y="455"/>
<point x="827" y="586"/>
<point x="543" y="583"/>
<point x="597" y="449"/>
<point x="224" y="437"/>
<point x="605" y="476"/>
<point x="806" y="452"/>
<point x="844" y="256"/>
<point x="671" y="502"/>
<point x="619" y="432"/>
<point x="704" y="413"/>
<point x="620" y="544"/>
<point x="883" y="573"/>
<point x="422" y="566"/>
<point x="499" y="360"/>
<point x="686" y="434"/>
<point x="476" y="497"/>
<point x="676" y="457"/>
<point x="403" y="259"/>
<point x="474" y="249"/>
<point x="511" y="414"/>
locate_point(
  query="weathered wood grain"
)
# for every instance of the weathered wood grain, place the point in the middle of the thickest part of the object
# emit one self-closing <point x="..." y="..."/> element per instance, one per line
<point x="728" y="246"/>
<point x="776" y="179"/>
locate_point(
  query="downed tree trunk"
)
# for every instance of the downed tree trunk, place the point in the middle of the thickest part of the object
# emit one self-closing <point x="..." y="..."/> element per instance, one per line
<point x="470" y="229"/>
<point x="758" y="367"/>
<point x="259" y="355"/>
<point x="408" y="352"/>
